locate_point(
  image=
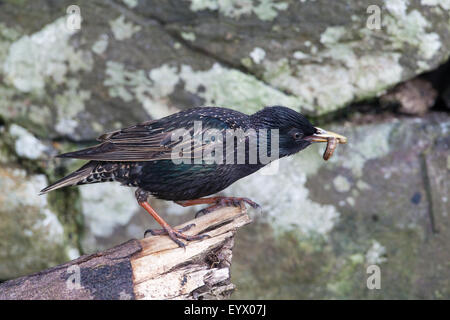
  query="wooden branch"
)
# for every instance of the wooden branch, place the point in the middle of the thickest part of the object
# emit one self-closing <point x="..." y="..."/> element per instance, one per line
<point x="151" y="268"/>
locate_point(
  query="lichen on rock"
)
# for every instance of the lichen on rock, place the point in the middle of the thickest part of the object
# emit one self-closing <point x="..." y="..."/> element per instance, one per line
<point x="234" y="89"/>
<point x="411" y="28"/>
<point x="26" y="145"/>
<point x="123" y="30"/>
<point x="265" y="10"/>
<point x="46" y="54"/>
<point x="101" y="44"/>
<point x="217" y="86"/>
<point x="39" y="240"/>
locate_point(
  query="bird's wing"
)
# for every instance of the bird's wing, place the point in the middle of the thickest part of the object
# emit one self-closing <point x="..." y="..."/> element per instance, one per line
<point x="153" y="140"/>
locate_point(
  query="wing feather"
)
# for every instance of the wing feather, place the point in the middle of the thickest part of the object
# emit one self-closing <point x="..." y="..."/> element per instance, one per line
<point x="149" y="141"/>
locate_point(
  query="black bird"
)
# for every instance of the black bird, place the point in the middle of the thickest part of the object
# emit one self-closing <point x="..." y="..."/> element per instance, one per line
<point x="160" y="160"/>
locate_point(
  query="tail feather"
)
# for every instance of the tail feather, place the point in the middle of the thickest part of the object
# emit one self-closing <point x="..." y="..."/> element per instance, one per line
<point x="87" y="153"/>
<point x="73" y="178"/>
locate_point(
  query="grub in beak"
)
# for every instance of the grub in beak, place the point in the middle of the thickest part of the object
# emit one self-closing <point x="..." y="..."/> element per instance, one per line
<point x="331" y="138"/>
<point x="331" y="146"/>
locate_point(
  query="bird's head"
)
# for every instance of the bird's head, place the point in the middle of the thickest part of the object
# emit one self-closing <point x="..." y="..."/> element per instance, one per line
<point x="295" y="131"/>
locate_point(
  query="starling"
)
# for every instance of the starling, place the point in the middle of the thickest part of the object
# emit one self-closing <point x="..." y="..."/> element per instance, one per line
<point x="168" y="158"/>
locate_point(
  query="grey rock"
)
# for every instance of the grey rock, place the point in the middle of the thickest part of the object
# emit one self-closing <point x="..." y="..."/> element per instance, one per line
<point x="32" y="237"/>
<point x="382" y="199"/>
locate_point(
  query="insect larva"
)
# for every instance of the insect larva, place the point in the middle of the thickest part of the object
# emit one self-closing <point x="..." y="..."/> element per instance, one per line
<point x="331" y="146"/>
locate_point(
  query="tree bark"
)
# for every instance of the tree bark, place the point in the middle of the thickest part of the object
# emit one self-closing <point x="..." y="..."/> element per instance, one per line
<point x="150" y="268"/>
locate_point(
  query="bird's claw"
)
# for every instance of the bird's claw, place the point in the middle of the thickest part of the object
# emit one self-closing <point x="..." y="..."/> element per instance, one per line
<point x="176" y="234"/>
<point x="158" y="232"/>
<point x="253" y="204"/>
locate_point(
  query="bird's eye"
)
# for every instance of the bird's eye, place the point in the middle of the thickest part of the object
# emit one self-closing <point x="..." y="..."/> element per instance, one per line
<point x="297" y="135"/>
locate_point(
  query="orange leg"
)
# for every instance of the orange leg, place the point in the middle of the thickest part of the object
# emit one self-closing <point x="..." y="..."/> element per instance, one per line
<point x="218" y="202"/>
<point x="174" y="234"/>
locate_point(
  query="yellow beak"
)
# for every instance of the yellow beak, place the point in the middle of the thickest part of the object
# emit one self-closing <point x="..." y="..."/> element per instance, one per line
<point x="323" y="135"/>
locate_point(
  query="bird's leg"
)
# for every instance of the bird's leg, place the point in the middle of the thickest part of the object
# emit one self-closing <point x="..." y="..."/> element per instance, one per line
<point x="218" y="202"/>
<point x="174" y="234"/>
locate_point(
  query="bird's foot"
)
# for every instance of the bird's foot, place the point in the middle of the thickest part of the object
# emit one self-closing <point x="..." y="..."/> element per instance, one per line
<point x="159" y="232"/>
<point x="176" y="234"/>
<point x="228" y="202"/>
